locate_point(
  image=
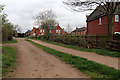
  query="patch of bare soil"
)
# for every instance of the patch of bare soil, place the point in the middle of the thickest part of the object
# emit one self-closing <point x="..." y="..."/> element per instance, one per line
<point x="36" y="63"/>
<point x="106" y="60"/>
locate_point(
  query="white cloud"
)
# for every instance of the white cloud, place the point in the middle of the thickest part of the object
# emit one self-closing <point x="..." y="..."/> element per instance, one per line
<point x="21" y="12"/>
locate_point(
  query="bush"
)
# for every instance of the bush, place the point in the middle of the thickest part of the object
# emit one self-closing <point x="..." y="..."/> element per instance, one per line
<point x="69" y="41"/>
<point x="7" y="32"/>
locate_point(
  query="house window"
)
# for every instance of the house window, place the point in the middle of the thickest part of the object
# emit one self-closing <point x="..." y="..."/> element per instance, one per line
<point x="42" y="34"/>
<point x="116" y="18"/>
<point x="50" y="31"/>
<point x="34" y="34"/>
<point x="81" y="32"/>
<point x="41" y="30"/>
<point x="100" y="21"/>
<point x="57" y="31"/>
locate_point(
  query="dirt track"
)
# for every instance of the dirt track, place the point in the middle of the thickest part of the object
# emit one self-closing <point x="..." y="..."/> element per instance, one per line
<point x="36" y="63"/>
<point x="110" y="61"/>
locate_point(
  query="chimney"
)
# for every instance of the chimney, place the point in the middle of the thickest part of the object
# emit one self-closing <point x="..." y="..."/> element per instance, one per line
<point x="58" y="24"/>
<point x="34" y="27"/>
<point x="87" y="16"/>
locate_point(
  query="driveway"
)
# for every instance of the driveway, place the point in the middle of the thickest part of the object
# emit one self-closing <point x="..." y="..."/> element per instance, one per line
<point x="33" y="62"/>
<point x="106" y="60"/>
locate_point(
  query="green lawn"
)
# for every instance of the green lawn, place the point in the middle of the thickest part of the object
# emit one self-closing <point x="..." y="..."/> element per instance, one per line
<point x="9" y="42"/>
<point x="93" y="69"/>
<point x="98" y="51"/>
<point x="8" y="58"/>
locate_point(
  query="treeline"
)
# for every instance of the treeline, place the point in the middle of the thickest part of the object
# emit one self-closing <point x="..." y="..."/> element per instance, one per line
<point x="6" y="26"/>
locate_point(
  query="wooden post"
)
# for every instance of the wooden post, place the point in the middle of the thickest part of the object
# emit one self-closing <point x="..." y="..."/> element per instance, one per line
<point x="96" y="41"/>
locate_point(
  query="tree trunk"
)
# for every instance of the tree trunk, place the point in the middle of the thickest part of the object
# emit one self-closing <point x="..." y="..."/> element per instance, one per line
<point x="110" y="26"/>
<point x="47" y="34"/>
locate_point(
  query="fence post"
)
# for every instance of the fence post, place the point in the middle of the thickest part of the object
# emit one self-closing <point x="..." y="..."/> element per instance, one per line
<point x="96" y="41"/>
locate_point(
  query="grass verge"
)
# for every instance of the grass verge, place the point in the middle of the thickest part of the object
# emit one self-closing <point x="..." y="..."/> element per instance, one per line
<point x="11" y="41"/>
<point x="8" y="59"/>
<point x="93" y="69"/>
<point x="98" y="51"/>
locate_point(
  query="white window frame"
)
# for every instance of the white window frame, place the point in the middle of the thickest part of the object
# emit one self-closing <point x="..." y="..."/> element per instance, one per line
<point x="50" y="31"/>
<point x="57" y="31"/>
<point x="116" y="18"/>
<point x="41" y="30"/>
<point x="100" y="21"/>
<point x="42" y="34"/>
<point x="34" y="34"/>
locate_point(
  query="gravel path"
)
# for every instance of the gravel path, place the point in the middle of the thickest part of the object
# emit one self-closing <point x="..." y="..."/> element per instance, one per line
<point x="110" y="61"/>
<point x="36" y="63"/>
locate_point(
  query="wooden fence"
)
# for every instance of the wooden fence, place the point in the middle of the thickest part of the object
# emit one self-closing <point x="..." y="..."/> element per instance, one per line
<point x="99" y="41"/>
<point x="96" y="41"/>
<point x="113" y="45"/>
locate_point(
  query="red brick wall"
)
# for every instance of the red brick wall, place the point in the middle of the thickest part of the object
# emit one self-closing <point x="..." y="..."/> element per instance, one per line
<point x="78" y="33"/>
<point x="32" y="31"/>
<point x="95" y="29"/>
<point x="42" y="31"/>
<point x="38" y="32"/>
<point x="116" y="25"/>
<point x="57" y="28"/>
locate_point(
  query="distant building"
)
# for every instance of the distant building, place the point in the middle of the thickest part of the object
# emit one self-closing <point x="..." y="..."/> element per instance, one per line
<point x="32" y="32"/>
<point x="27" y="33"/>
<point x="54" y="31"/>
<point x="97" y="22"/>
<point x="79" y="31"/>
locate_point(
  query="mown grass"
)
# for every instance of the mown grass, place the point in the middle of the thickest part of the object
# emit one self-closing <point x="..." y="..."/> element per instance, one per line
<point x="8" y="58"/>
<point x="9" y="42"/>
<point x="93" y="69"/>
<point x="98" y="51"/>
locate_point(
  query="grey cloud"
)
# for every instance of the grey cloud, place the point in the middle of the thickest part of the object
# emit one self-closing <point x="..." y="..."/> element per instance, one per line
<point x="21" y="12"/>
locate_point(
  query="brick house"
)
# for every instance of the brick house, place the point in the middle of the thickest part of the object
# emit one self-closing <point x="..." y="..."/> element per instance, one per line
<point x="97" y="22"/>
<point x="32" y="32"/>
<point x="55" y="31"/>
<point x="79" y="31"/>
<point x="40" y="31"/>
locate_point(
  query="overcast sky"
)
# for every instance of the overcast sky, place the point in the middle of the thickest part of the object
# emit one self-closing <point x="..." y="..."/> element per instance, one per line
<point x="21" y="12"/>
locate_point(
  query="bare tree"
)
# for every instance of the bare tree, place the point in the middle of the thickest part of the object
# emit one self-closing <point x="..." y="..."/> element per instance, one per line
<point x="43" y="16"/>
<point x="17" y="28"/>
<point x="108" y="8"/>
<point x="68" y="28"/>
<point x="46" y="19"/>
<point x="48" y="24"/>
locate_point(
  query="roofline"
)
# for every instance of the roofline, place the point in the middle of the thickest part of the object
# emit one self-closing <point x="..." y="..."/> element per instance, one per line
<point x="101" y="16"/>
